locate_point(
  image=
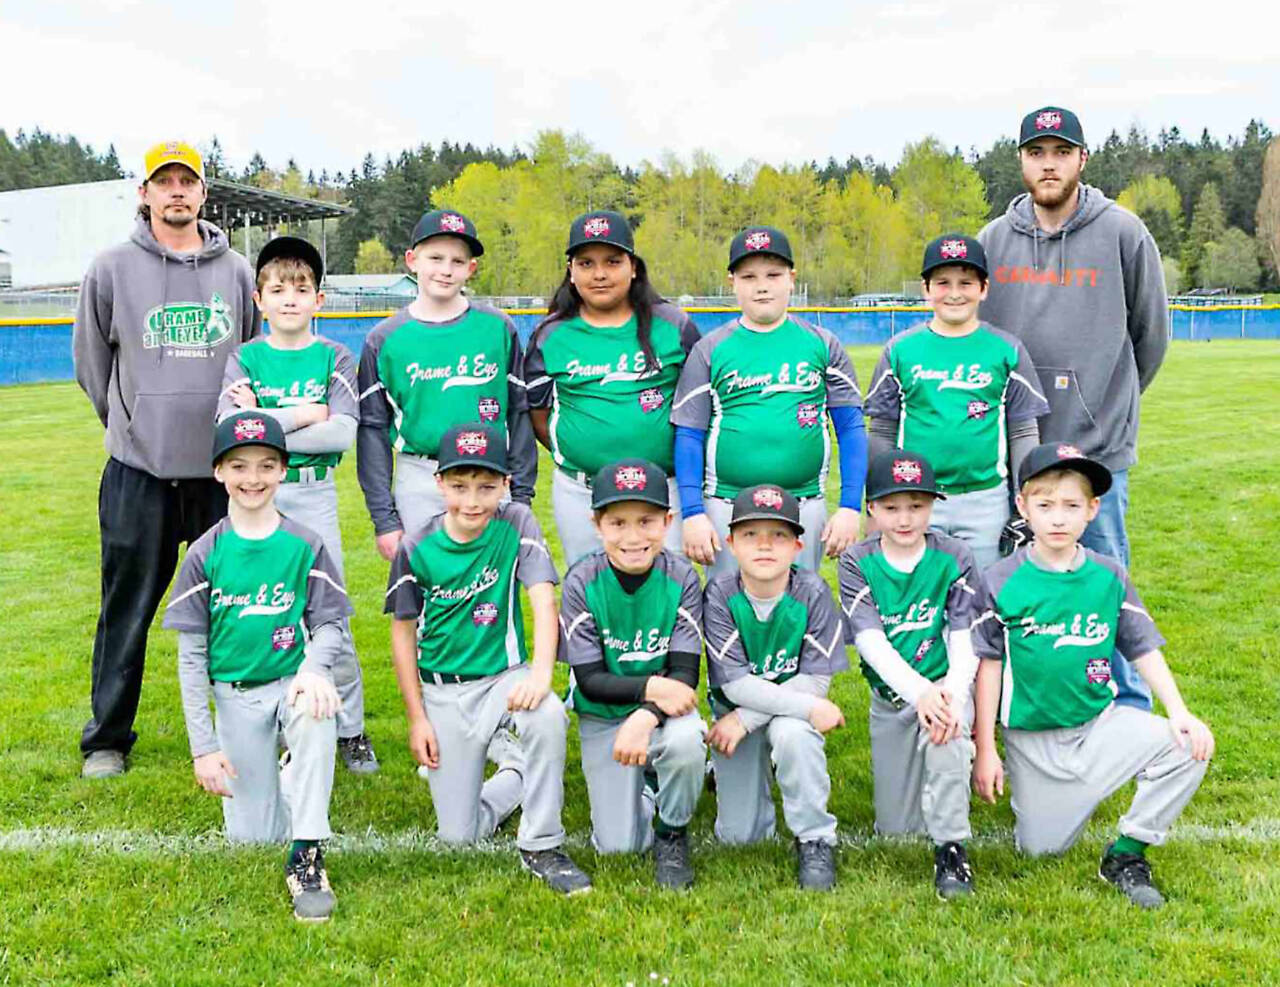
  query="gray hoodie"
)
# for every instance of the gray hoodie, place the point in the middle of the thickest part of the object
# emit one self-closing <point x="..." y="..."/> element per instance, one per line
<point x="153" y="330"/>
<point x="1089" y="302"/>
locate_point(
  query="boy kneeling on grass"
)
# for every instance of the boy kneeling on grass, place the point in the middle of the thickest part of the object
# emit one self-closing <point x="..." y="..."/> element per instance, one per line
<point x="1059" y="612"/>
<point x="457" y="643"/>
<point x="630" y="622"/>
<point x="259" y="607"/>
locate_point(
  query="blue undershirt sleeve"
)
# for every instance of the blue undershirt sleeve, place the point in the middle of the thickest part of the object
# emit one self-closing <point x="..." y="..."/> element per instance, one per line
<point x="851" y="437"/>
<point x="691" y="457"/>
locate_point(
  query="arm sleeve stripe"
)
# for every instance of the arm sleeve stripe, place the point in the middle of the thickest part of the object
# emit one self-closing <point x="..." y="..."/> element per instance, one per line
<point x="370" y="389"/>
<point x="692" y="394"/>
<point x="840" y="374"/>
<point x="818" y="644"/>
<point x="191" y="592"/>
<point x="538" y="381"/>
<point x="887" y="375"/>
<point x="321" y="574"/>
<point x="1131" y="607"/>
<point x="539" y="545"/>
<point x="1027" y="384"/>
<point x="345" y="383"/>
<point x="692" y="623"/>
<point x="856" y="600"/>
<point x="568" y="631"/>
<point x="727" y="644"/>
<point x="406" y="578"/>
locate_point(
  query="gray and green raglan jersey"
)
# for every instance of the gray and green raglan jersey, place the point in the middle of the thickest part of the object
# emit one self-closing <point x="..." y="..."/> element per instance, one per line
<point x="465" y="596"/>
<point x="323" y="372"/>
<point x="802" y="634"/>
<point x="1056" y="632"/>
<point x="954" y="399"/>
<point x="914" y="609"/>
<point x="762" y="398"/>
<point x="596" y="383"/>
<point x="257" y="599"/>
<point x="632" y="633"/>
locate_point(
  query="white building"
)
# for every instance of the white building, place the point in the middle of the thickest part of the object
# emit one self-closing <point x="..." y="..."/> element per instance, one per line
<point x="51" y="234"/>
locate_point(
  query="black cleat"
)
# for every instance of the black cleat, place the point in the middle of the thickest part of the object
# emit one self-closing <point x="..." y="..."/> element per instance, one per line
<point x="952" y="877"/>
<point x="556" y="871"/>
<point x="816" y="865"/>
<point x="671" y="867"/>
<point x="1131" y="875"/>
<point x="357" y="754"/>
<point x="308" y="884"/>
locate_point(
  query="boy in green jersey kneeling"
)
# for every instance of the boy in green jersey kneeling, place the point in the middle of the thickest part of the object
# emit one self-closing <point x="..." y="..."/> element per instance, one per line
<point x="1058" y="613"/>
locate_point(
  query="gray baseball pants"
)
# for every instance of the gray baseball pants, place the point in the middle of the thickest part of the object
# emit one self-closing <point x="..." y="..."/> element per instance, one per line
<point x="571" y="505"/>
<point x="467" y="717"/>
<point x="417" y="495"/>
<point x="976" y="518"/>
<point x="314" y="504"/>
<point x="622" y="808"/>
<point x="270" y="803"/>
<point x="1058" y="777"/>
<point x="813" y="518"/>
<point x="920" y="787"/>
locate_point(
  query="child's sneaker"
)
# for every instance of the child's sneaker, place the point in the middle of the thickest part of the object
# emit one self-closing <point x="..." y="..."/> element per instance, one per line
<point x="357" y="754"/>
<point x="304" y="875"/>
<point x="671" y="867"/>
<point x="952" y="877"/>
<point x="816" y="865"/>
<point x="1131" y="874"/>
<point x="555" y="870"/>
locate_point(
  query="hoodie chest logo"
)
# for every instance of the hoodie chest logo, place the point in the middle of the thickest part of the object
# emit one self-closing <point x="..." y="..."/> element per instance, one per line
<point x="189" y="328"/>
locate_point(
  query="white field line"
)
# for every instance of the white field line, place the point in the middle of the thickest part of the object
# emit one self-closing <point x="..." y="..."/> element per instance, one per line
<point x="148" y="844"/>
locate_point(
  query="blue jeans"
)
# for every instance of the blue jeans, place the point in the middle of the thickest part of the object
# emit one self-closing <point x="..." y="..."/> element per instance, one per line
<point x="1106" y="536"/>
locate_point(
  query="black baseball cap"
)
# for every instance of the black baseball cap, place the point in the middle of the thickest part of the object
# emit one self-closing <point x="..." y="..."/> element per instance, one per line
<point x="767" y="502"/>
<point x="759" y="240"/>
<point x="291" y="246"/>
<point x="1051" y="121"/>
<point x="473" y="445"/>
<point x="954" y="248"/>
<point x="630" y="479"/>
<point x="250" y="427"/>
<point x="601" y="226"/>
<point x="1064" y="456"/>
<point x="900" y="471"/>
<point x="446" y="222"/>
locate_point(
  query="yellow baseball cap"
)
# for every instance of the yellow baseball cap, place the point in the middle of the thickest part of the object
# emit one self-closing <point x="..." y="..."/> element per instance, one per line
<point x="172" y="152"/>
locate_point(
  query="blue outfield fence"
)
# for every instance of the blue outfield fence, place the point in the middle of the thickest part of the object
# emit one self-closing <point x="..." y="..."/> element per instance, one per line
<point x="34" y="350"/>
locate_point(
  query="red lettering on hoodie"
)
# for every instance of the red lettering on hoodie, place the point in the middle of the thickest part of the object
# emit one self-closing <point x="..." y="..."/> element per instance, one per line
<point x="1081" y="277"/>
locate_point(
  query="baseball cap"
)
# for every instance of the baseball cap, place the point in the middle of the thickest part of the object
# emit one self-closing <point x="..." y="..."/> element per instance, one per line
<point x="291" y="246"/>
<point x="601" y="226"/>
<point x="759" y="240"/>
<point x="900" y="471"/>
<point x="1064" y="456"/>
<point x="474" y="445"/>
<point x="248" y="428"/>
<point x="172" y="152"/>
<point x="767" y="502"/>
<point x="1051" y="121"/>
<point x="630" y="479"/>
<point x="954" y="248"/>
<point x="446" y="222"/>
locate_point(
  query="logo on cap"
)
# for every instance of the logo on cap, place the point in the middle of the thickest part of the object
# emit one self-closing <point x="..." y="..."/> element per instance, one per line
<point x="596" y="226"/>
<point x="955" y="248"/>
<point x="283" y="638"/>
<point x="1069" y="452"/>
<point x="629" y="478"/>
<point x="472" y="443"/>
<point x="768" y="497"/>
<point x="651" y="399"/>
<point x="452" y="223"/>
<point x="484" y="614"/>
<point x="489" y="409"/>
<point x="907" y="471"/>
<point x="1049" y="120"/>
<point x="759" y="240"/>
<point x="247" y="429"/>
<point x="807" y="415"/>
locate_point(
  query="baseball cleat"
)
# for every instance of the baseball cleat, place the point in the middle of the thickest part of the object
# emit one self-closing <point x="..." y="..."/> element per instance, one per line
<point x="952" y="876"/>
<point x="816" y="865"/>
<point x="357" y="754"/>
<point x="555" y="870"/>
<point x="671" y="867"/>
<point x="102" y="764"/>
<point x="1131" y="875"/>
<point x="308" y="884"/>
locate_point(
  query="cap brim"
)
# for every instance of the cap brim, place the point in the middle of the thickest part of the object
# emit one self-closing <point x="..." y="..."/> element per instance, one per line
<point x="291" y="246"/>
<point x="482" y="464"/>
<point x="621" y="496"/>
<point x="1099" y="476"/>
<point x="1061" y="137"/>
<point x="165" y="164"/>
<point x="925" y="272"/>
<point x="765" y="516"/>
<point x="761" y="253"/>
<point x="883" y="492"/>
<point x="477" y="248"/>
<point x="569" y="250"/>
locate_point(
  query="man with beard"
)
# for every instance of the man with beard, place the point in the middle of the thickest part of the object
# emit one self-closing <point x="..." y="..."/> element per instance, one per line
<point x="156" y="319"/>
<point x="1078" y="279"/>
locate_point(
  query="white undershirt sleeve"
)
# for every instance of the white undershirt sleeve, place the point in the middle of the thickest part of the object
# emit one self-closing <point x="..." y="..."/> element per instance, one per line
<point x="876" y="651"/>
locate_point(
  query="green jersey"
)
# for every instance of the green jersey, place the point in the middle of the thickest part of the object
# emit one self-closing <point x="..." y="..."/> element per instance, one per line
<point x="257" y="599"/>
<point x="954" y="399"/>
<point x="1056" y="633"/>
<point x="323" y="372"/>
<point x="465" y="596"/>
<point x="800" y="634"/>
<point x="914" y="609"/>
<point x="596" y="383"/>
<point x="762" y="398"/>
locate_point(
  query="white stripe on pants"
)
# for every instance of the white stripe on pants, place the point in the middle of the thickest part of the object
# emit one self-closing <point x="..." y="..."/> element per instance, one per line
<point x="813" y="518"/>
<point x="571" y="505"/>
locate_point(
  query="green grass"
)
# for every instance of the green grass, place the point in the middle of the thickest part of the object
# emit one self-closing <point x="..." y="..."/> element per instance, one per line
<point x="129" y="882"/>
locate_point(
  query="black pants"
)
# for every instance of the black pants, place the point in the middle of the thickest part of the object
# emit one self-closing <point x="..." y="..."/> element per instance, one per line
<point x="143" y="519"/>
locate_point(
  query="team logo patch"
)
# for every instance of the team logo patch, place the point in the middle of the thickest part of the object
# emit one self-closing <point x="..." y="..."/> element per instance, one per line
<point x="472" y="443"/>
<point x="651" y="399"/>
<point x="1049" y="120"/>
<point x="955" y="248"/>
<point x="1098" y="671"/>
<point x="248" y="429"/>
<point x="978" y="410"/>
<point x="759" y="240"/>
<point x="807" y="415"/>
<point x="907" y="471"/>
<point x="922" y="651"/>
<point x="489" y="409"/>
<point x="629" y="478"/>
<point x="283" y="638"/>
<point x="768" y="497"/>
<point x="484" y="613"/>
<point x="453" y="224"/>
<point x="596" y="226"/>
<point x="1069" y="452"/>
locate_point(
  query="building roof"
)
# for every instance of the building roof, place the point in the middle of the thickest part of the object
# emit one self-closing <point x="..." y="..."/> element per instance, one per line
<point x="369" y="282"/>
<point x="230" y="202"/>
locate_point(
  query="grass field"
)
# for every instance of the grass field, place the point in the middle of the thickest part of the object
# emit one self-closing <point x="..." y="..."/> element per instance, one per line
<point x="129" y="881"/>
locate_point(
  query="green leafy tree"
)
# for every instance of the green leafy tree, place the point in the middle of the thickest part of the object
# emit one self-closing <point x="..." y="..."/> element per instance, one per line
<point x="1268" y="213"/>
<point x="938" y="192"/>
<point x="372" y="257"/>
<point x="1208" y="224"/>
<point x="1157" y="203"/>
<point x="1232" y="262"/>
<point x="1001" y="172"/>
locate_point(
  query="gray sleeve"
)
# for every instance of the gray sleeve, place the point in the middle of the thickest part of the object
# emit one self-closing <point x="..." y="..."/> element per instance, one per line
<point x="811" y="685"/>
<point x="691" y="406"/>
<point x="404" y="599"/>
<point x="857" y="605"/>
<point x="1148" y="305"/>
<point x="689" y="334"/>
<point x="687" y="634"/>
<point x="373" y="440"/>
<point x="233" y="376"/>
<point x="533" y="565"/>
<point x="188" y="608"/>
<point x="92" y="351"/>
<point x="322" y="651"/>
<point x="884" y="399"/>
<point x="726" y="658"/>
<point x="842" y="380"/>
<point x="763" y="696"/>
<point x="1023" y="437"/>
<point x="343" y="397"/>
<point x="193" y="682"/>
<point x="522" y="447"/>
<point x="966" y="595"/>
<point x="538" y="384"/>
<point x="337" y="434"/>
<point x="823" y="651"/>
<point x="987" y="630"/>
<point x="878" y="443"/>
<point x="579" y="636"/>
<point x="1136" y="632"/>
<point x="1023" y="400"/>
<point x="287" y="417"/>
<point x="327" y="601"/>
